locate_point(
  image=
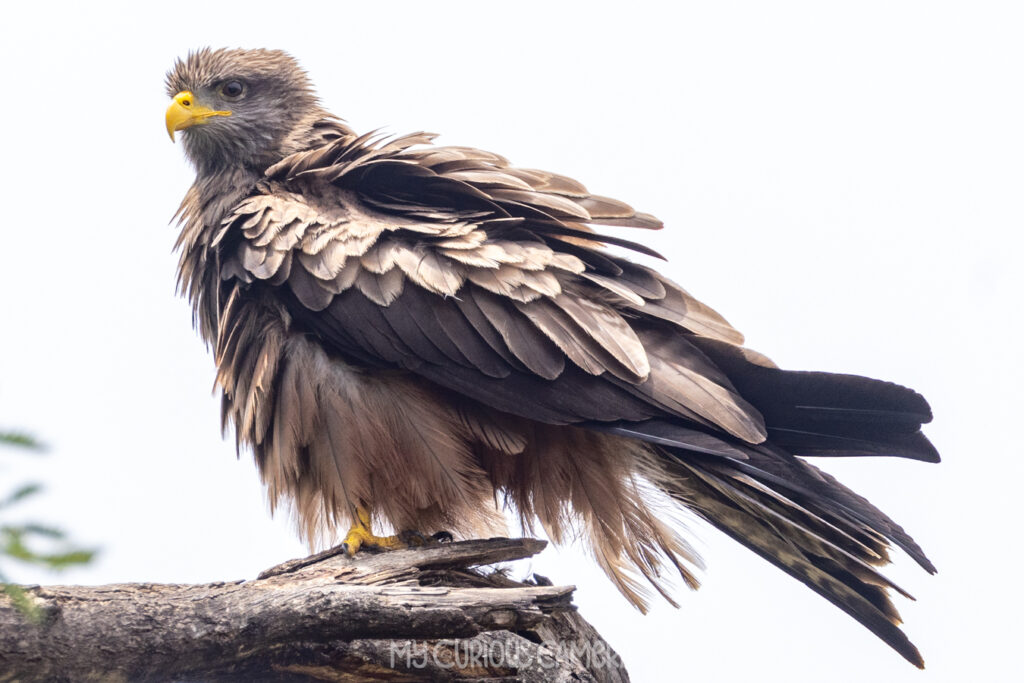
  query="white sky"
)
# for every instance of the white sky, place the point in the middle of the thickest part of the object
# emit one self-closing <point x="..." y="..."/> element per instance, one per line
<point x="844" y="185"/>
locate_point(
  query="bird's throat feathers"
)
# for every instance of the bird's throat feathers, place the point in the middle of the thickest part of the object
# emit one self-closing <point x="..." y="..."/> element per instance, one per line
<point x="200" y="215"/>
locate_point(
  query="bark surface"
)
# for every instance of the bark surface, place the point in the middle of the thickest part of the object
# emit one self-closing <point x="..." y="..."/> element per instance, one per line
<point x="428" y="613"/>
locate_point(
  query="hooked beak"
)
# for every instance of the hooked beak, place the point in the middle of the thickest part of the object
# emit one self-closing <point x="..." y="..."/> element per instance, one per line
<point x="185" y="112"/>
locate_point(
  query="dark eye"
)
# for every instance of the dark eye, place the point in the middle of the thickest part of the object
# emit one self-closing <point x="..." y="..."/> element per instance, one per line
<point x="232" y="89"/>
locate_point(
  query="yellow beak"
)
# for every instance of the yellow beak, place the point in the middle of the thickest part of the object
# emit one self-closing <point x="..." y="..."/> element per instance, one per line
<point x="185" y="112"/>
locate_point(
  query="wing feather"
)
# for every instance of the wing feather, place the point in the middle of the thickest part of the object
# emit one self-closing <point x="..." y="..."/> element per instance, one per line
<point x="495" y="249"/>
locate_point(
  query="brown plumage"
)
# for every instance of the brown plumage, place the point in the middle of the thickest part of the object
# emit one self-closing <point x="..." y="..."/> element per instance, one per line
<point x="433" y="334"/>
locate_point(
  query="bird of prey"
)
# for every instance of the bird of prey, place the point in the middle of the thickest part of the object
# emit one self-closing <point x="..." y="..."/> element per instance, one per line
<point x="415" y="337"/>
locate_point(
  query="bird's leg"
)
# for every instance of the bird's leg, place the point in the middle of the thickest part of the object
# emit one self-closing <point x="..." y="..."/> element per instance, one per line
<point x="360" y="535"/>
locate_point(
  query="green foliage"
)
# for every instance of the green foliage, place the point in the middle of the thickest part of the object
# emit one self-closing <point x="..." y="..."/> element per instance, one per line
<point x="23" y="602"/>
<point x="31" y="543"/>
<point x="20" y="439"/>
<point x="15" y="542"/>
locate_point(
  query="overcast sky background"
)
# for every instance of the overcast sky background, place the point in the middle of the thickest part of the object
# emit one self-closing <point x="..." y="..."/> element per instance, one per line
<point x="843" y="183"/>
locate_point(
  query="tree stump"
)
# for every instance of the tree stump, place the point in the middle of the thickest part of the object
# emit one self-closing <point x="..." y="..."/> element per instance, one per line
<point x="422" y="614"/>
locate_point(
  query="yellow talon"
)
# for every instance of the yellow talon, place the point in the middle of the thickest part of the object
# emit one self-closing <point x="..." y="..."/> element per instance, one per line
<point x="360" y="535"/>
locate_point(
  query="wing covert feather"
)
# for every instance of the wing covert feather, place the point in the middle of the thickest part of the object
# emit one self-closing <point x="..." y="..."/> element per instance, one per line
<point x="449" y="262"/>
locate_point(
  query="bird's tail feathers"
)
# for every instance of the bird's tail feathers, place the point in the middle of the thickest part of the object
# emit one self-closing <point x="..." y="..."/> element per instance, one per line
<point x="803" y="522"/>
<point x="827" y="414"/>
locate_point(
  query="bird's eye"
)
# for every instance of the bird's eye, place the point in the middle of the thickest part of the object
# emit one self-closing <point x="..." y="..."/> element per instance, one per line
<point x="232" y="89"/>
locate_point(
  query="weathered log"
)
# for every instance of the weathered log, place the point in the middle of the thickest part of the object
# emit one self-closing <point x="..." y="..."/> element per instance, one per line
<point x="420" y="614"/>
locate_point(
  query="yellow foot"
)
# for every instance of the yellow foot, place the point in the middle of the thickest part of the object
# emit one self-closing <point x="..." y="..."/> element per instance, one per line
<point x="360" y="535"/>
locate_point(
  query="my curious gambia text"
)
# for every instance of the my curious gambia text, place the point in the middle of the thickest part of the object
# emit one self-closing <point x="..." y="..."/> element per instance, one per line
<point x="489" y="653"/>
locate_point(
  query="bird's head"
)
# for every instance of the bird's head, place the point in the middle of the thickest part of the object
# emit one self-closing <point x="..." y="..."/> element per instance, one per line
<point x="239" y="108"/>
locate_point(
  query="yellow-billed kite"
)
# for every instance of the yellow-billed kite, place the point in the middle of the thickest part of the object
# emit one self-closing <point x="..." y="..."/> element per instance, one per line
<point x="415" y="335"/>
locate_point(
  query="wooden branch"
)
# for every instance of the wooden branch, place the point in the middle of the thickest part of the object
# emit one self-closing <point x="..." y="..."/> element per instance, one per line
<point x="407" y="615"/>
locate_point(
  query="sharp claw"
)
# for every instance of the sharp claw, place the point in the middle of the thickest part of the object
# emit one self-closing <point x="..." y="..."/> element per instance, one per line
<point x="354" y="540"/>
